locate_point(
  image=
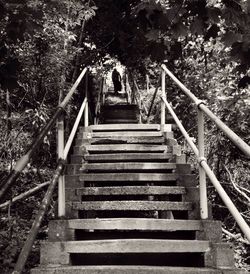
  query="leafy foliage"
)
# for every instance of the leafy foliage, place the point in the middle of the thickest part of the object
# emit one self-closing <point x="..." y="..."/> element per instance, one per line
<point x="38" y="50"/>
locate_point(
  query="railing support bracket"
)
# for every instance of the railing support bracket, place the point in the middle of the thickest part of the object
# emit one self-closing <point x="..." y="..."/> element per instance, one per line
<point x="202" y="159"/>
<point x="200" y="102"/>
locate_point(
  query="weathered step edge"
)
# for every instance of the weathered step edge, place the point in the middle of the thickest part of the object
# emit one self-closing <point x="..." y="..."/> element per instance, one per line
<point x="131" y="190"/>
<point x="104" y="269"/>
<point x="123" y="127"/>
<point x="132" y="205"/>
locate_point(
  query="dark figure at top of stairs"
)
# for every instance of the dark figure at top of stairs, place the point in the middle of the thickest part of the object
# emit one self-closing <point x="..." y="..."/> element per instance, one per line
<point x="116" y="78"/>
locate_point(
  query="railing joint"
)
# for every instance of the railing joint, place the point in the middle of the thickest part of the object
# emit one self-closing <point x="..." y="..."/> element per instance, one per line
<point x="200" y="102"/>
<point x="202" y="159"/>
<point x="62" y="161"/>
<point x="63" y="108"/>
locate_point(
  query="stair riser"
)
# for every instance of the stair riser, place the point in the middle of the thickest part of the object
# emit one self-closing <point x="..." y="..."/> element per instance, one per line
<point x="120" y="121"/>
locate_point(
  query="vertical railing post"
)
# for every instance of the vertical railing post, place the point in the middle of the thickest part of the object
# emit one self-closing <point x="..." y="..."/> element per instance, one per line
<point x="61" y="181"/>
<point x="86" y="111"/>
<point x="163" y="90"/>
<point x="202" y="174"/>
<point x="140" y="106"/>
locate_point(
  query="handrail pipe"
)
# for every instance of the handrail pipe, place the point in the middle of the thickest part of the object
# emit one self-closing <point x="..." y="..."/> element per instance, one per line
<point x="203" y="164"/>
<point x="57" y="177"/>
<point x="23" y="256"/>
<point x="244" y="147"/>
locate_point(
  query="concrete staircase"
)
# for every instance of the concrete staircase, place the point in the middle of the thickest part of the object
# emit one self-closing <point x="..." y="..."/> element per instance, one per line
<point x="132" y="206"/>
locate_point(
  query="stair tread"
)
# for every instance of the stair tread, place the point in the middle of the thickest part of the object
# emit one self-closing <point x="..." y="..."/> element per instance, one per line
<point x="131" y="246"/>
<point x="128" y="166"/>
<point x="128" y="156"/>
<point x="125" y="147"/>
<point x="124" y="127"/>
<point x="146" y="177"/>
<point x="127" y="269"/>
<point x="122" y="139"/>
<point x="145" y="224"/>
<point x="126" y="133"/>
<point x="131" y="190"/>
<point x="132" y="205"/>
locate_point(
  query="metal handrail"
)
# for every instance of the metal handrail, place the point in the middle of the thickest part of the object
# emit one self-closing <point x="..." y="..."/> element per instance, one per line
<point x="244" y="147"/>
<point x="202" y="161"/>
<point x="74" y="130"/>
<point x="23" y="256"/>
<point x="204" y="169"/>
<point x="24" y="160"/>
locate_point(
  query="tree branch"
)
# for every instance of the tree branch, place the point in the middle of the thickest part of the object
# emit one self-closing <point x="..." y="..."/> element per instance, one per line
<point x="236" y="237"/>
<point x="24" y="195"/>
<point x="235" y="185"/>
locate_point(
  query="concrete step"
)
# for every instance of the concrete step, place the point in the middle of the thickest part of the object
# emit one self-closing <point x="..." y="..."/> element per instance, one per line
<point x="131" y="190"/>
<point x="128" y="166"/>
<point x="132" y="205"/>
<point x="146" y="177"/>
<point x="68" y="230"/>
<point x="123" y="127"/>
<point x="122" y="148"/>
<point x="121" y="140"/>
<point x="129" y="224"/>
<point x="122" y="134"/>
<point x="131" y="228"/>
<point x="124" y="157"/>
<point x="113" y="179"/>
<point x="138" y="251"/>
<point x="116" y="269"/>
<point x="128" y="157"/>
<point x="125" y="246"/>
